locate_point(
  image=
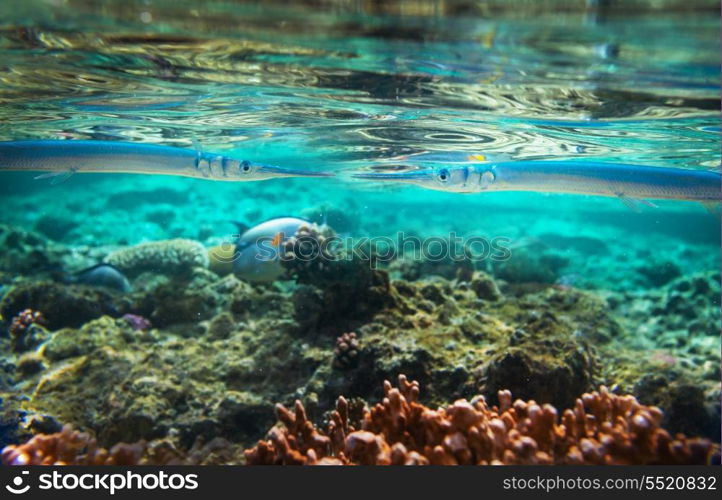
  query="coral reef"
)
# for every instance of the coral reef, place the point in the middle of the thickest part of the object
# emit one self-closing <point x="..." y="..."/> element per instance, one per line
<point x="61" y="305"/>
<point x="26" y="252"/>
<point x="70" y="447"/>
<point x="341" y="286"/>
<point x="526" y="266"/>
<point x="602" y="428"/>
<point x="676" y="364"/>
<point x="189" y="359"/>
<point x="178" y="256"/>
<point x="26" y="330"/>
<point x="137" y="322"/>
<point x="347" y="350"/>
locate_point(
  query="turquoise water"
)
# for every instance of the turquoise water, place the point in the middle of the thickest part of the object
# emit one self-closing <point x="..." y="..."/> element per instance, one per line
<point x="352" y="86"/>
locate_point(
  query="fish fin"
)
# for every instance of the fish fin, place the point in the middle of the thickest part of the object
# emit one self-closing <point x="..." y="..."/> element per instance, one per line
<point x="712" y="207"/>
<point x="56" y="177"/>
<point x="633" y="203"/>
<point x="277" y="239"/>
<point x="241" y="226"/>
<point x="97" y="266"/>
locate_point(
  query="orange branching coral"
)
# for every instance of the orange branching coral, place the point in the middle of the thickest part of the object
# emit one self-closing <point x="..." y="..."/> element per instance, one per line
<point x="602" y="428"/>
<point x="70" y="447"/>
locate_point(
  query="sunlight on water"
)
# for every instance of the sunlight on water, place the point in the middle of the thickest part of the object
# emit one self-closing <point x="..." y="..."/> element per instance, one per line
<point x="356" y="85"/>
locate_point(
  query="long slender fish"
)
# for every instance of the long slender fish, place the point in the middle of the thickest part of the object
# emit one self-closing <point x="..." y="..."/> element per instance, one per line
<point x="63" y="158"/>
<point x="627" y="182"/>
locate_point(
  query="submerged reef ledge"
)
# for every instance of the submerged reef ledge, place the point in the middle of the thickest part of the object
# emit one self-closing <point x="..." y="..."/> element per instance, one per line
<point x="191" y="361"/>
<point x="601" y="429"/>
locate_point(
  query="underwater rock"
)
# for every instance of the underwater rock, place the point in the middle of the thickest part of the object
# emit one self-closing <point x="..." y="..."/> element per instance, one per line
<point x="327" y="214"/>
<point x="214" y="375"/>
<point x="485" y="287"/>
<point x="443" y="257"/>
<point x="103" y="332"/>
<point x="525" y="266"/>
<point x="688" y="409"/>
<point x="29" y="364"/>
<point x="55" y="227"/>
<point x="349" y="289"/>
<point x="26" y="252"/>
<point x="172" y="257"/>
<point x="12" y="430"/>
<point x="221" y="326"/>
<point x="602" y="428"/>
<point x="190" y="298"/>
<point x="60" y="305"/>
<point x="550" y="371"/>
<point x="660" y="273"/>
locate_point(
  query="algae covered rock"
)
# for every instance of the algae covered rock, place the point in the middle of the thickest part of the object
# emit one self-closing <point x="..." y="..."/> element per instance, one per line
<point x="26" y="252"/>
<point x="555" y="372"/>
<point x="61" y="305"/>
<point x="525" y="266"/>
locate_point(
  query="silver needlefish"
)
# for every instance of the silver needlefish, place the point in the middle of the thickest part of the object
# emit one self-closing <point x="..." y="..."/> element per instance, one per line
<point x="62" y="158"/>
<point x="630" y="183"/>
<point x="258" y="249"/>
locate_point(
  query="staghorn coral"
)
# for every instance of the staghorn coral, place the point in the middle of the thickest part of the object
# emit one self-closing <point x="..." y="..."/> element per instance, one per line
<point x="163" y="257"/>
<point x="602" y="428"/>
<point x="70" y="447"/>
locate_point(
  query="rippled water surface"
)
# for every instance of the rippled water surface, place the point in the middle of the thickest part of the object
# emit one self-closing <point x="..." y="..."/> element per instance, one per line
<point x="355" y="82"/>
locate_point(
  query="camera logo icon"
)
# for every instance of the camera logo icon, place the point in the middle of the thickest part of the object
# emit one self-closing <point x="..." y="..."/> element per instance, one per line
<point x="17" y="487"/>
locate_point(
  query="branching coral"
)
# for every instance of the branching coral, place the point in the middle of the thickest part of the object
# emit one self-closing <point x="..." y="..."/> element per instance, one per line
<point x="167" y="256"/>
<point x="70" y="447"/>
<point x="602" y="428"/>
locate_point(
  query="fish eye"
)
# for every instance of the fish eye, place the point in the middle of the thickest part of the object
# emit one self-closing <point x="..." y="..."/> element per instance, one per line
<point x="443" y="175"/>
<point x="245" y="166"/>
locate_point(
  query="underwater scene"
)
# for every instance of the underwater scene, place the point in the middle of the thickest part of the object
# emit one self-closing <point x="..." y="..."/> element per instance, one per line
<point x="358" y="232"/>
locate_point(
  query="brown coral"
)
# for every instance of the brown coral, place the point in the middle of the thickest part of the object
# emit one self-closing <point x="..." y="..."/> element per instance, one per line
<point x="23" y="329"/>
<point x="346" y="351"/>
<point x="70" y="447"/>
<point x="602" y="428"/>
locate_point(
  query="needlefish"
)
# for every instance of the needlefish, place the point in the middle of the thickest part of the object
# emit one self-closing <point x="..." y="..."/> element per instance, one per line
<point x="62" y="158"/>
<point x="632" y="184"/>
